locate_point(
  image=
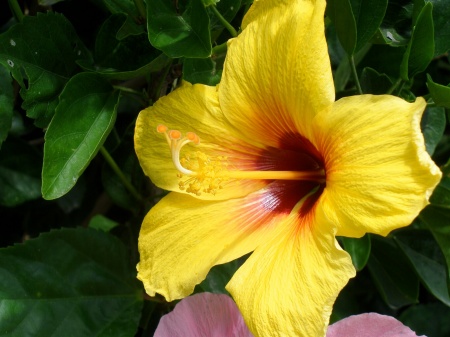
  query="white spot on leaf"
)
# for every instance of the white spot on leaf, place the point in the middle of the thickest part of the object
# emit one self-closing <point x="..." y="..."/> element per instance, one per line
<point x="10" y="63"/>
<point x="12" y="42"/>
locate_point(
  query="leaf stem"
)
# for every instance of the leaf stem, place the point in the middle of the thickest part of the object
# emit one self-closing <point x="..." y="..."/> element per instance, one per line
<point x="224" y="22"/>
<point x="355" y="74"/>
<point x="129" y="90"/>
<point x="141" y="8"/>
<point x="219" y="50"/>
<point x="394" y="86"/>
<point x="162" y="80"/>
<point x="111" y="162"/>
<point x="16" y="10"/>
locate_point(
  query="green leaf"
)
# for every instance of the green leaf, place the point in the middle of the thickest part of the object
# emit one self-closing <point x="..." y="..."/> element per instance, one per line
<point x="441" y="13"/>
<point x="437" y="219"/>
<point x="425" y="256"/>
<point x="84" y="117"/>
<point x="185" y="35"/>
<point x="368" y="17"/>
<point x="433" y="126"/>
<point x="441" y="195"/>
<point x="394" y="278"/>
<point x="133" y="25"/>
<point x="390" y="37"/>
<point x="340" y="12"/>
<point x="20" y="171"/>
<point x="218" y="277"/>
<point x="343" y="71"/>
<point x="48" y="2"/>
<point x="201" y="71"/>
<point x="6" y="103"/>
<point x="385" y="59"/>
<point x="359" y="250"/>
<point x="439" y="93"/>
<point x="429" y="320"/>
<point x="228" y="9"/>
<point x="126" y="159"/>
<point x="76" y="282"/>
<point x="102" y="223"/>
<point x="43" y="50"/>
<point x="372" y="82"/>
<point x="123" y="59"/>
<point x="395" y="29"/>
<point x="420" y="49"/>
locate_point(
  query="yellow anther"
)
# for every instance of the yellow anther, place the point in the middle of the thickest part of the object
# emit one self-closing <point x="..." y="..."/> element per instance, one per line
<point x="161" y="128"/>
<point x="193" y="137"/>
<point x="174" y="134"/>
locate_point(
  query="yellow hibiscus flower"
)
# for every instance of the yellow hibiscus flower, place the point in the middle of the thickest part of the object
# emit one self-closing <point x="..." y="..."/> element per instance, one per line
<point x="266" y="162"/>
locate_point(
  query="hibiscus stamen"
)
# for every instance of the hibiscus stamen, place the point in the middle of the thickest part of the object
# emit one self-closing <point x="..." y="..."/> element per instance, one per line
<point x="208" y="174"/>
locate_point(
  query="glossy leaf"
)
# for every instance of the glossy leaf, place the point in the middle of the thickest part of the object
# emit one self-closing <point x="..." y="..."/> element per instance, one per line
<point x="6" y="103"/>
<point x="126" y="159"/>
<point x="228" y="9"/>
<point x="433" y="126"/>
<point x="42" y="50"/>
<point x="368" y="17"/>
<point x="439" y="93"/>
<point x="441" y="13"/>
<point x="420" y="49"/>
<point x="356" y="21"/>
<point x="340" y="12"/>
<point x="429" y="320"/>
<point x="126" y="58"/>
<point x="394" y="278"/>
<point x="133" y="25"/>
<point x="102" y="223"/>
<point x="201" y="71"/>
<point x="179" y="34"/>
<point x="437" y="219"/>
<point x="70" y="281"/>
<point x="359" y="250"/>
<point x="421" y="249"/>
<point x="343" y="72"/>
<point x="372" y="82"/>
<point x="441" y="195"/>
<point x="218" y="277"/>
<point x="20" y="170"/>
<point x="390" y="37"/>
<point x="84" y="118"/>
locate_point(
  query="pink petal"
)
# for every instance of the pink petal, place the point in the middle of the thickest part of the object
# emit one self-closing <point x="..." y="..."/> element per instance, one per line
<point x="203" y="315"/>
<point x="370" y="325"/>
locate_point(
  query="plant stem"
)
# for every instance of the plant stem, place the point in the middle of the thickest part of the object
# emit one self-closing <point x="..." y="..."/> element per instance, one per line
<point x="120" y="174"/>
<point x="16" y="10"/>
<point x="219" y="50"/>
<point x="394" y="86"/>
<point x="128" y="90"/>
<point x="162" y="80"/>
<point x="141" y="8"/>
<point x="224" y="22"/>
<point x="355" y="75"/>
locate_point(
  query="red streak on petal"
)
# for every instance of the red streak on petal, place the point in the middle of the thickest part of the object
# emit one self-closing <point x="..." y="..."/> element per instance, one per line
<point x="295" y="153"/>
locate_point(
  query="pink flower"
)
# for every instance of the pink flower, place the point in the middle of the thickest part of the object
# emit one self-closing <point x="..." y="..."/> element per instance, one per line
<point x="203" y="315"/>
<point x="216" y="315"/>
<point x="370" y="325"/>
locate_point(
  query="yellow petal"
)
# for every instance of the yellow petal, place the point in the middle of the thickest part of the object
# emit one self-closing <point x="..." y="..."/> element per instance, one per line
<point x="182" y="237"/>
<point x="379" y="175"/>
<point x="191" y="108"/>
<point x="288" y="285"/>
<point x="277" y="73"/>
